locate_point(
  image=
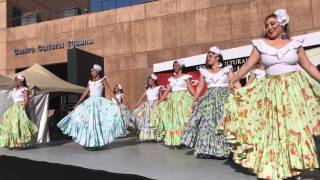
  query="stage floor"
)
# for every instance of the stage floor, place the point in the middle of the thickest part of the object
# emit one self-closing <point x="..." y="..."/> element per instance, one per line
<point x="128" y="155"/>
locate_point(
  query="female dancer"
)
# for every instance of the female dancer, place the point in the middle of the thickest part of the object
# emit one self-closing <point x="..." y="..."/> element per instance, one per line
<point x="122" y="103"/>
<point x="272" y="122"/>
<point x="257" y="73"/>
<point x="97" y="121"/>
<point x="16" y="130"/>
<point x="206" y="116"/>
<point x="142" y="114"/>
<point x="172" y="115"/>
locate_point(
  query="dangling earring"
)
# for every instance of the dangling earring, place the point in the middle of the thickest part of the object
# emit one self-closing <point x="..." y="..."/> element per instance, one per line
<point x="219" y="64"/>
<point x="284" y="35"/>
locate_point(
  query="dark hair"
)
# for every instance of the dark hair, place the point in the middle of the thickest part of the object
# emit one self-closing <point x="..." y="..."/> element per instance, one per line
<point x="24" y="82"/>
<point x="183" y="68"/>
<point x="155" y="82"/>
<point x="114" y="89"/>
<point x="318" y="67"/>
<point x="220" y="59"/>
<point x="285" y="28"/>
<point x="100" y="73"/>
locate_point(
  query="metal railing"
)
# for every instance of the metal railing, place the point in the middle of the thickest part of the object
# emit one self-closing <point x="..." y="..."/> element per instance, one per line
<point x="95" y="6"/>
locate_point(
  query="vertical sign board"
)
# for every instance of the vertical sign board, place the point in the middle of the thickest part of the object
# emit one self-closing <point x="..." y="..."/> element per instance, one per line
<point x="80" y="63"/>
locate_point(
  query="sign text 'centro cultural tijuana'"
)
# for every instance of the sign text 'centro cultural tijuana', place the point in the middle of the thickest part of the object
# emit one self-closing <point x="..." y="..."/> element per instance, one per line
<point x="53" y="46"/>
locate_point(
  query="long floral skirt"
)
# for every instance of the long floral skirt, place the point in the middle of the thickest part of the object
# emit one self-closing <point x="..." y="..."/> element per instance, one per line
<point x="129" y="126"/>
<point x="201" y="133"/>
<point x="142" y="117"/>
<point x="172" y="116"/>
<point x="272" y="124"/>
<point x="16" y="130"/>
<point x="94" y="123"/>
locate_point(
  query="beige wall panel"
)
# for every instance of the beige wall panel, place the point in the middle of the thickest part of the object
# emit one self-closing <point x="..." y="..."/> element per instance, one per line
<point x="109" y="40"/>
<point x="123" y="38"/>
<point x="153" y="9"/>
<point x="204" y="25"/>
<point x="3" y="35"/>
<point x="300" y="12"/>
<point x="27" y="31"/>
<point x="111" y="64"/>
<point x="186" y="28"/>
<point x="162" y="55"/>
<point x="225" y="2"/>
<point x="185" y="5"/>
<point x="80" y="22"/>
<point x="134" y="61"/>
<point x="102" y="18"/>
<point x="170" y="35"/>
<point x="3" y="15"/>
<point x="221" y="23"/>
<point x="3" y="59"/>
<point x="168" y="7"/>
<point x="190" y="50"/>
<point x="202" y="4"/>
<point x="316" y="12"/>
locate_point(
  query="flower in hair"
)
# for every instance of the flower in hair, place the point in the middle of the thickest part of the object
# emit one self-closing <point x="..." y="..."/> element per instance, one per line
<point x="282" y="16"/>
<point x="20" y="77"/>
<point x="97" y="67"/>
<point x="154" y="77"/>
<point x="215" y="50"/>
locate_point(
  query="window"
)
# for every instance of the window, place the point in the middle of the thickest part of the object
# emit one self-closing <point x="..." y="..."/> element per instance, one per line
<point x="100" y="5"/>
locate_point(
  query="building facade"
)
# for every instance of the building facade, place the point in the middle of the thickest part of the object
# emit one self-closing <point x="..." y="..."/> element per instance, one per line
<point x="131" y="39"/>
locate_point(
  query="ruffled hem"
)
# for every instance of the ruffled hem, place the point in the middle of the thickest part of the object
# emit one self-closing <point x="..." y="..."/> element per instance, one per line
<point x="148" y="134"/>
<point x="211" y="144"/>
<point x="190" y="137"/>
<point x="274" y="136"/>
<point x="10" y="141"/>
<point x="94" y="123"/>
<point x="16" y="130"/>
<point x="171" y="117"/>
<point x="84" y="137"/>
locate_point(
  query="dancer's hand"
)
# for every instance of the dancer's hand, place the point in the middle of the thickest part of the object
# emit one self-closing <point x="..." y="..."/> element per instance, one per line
<point x="231" y="86"/>
<point x="193" y="103"/>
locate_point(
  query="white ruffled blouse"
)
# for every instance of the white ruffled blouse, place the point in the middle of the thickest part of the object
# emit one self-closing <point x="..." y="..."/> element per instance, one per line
<point x="219" y="79"/>
<point x="279" y="60"/>
<point x="180" y="83"/>
<point x="96" y="87"/>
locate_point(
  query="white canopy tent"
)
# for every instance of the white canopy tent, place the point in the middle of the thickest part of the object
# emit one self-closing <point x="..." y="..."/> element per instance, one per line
<point x="44" y="82"/>
<point x="6" y="83"/>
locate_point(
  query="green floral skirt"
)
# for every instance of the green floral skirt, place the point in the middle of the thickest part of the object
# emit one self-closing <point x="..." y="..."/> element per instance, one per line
<point x="272" y="124"/>
<point x="171" y="117"/>
<point x="16" y="130"/>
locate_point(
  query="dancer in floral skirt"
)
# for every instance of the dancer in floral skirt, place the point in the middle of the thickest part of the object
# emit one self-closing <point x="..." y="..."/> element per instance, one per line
<point x="142" y="114"/>
<point x="272" y="122"/>
<point x="16" y="129"/>
<point x="97" y="121"/>
<point x="201" y="133"/>
<point x="172" y="115"/>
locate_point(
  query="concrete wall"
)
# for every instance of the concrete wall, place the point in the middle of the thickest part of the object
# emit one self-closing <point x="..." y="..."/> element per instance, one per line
<point x="132" y="39"/>
<point x="3" y="36"/>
